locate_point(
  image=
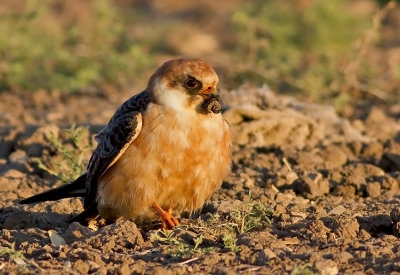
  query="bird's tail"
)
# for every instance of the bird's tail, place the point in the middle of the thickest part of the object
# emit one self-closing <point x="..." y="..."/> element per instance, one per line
<point x="74" y="189"/>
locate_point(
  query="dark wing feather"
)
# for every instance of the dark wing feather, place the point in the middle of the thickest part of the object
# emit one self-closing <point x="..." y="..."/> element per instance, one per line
<point x="113" y="140"/>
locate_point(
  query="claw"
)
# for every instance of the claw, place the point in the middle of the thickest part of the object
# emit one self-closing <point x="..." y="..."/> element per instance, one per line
<point x="168" y="221"/>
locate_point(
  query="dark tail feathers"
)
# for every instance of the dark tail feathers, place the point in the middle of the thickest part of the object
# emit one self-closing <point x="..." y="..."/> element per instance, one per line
<point x="74" y="189"/>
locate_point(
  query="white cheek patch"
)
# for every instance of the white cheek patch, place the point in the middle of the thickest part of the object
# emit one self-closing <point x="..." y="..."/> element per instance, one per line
<point x="171" y="98"/>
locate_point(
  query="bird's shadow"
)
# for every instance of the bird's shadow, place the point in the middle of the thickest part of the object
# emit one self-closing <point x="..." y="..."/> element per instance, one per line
<point x="16" y="217"/>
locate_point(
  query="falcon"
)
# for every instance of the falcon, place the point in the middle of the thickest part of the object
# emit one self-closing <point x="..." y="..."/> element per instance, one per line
<point x="166" y="148"/>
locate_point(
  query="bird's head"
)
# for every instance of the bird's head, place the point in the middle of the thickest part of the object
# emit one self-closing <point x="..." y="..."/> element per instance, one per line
<point x="189" y="84"/>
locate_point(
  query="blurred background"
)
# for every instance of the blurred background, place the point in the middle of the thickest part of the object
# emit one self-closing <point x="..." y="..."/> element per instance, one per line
<point x="346" y="53"/>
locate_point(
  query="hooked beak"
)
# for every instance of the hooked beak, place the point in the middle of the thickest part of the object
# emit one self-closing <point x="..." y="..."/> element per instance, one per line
<point x="207" y="91"/>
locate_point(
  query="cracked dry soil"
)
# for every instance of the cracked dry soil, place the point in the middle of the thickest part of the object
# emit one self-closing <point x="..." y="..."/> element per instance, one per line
<point x="331" y="182"/>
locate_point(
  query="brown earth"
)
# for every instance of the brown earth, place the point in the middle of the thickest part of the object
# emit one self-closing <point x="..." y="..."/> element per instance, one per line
<point x="332" y="184"/>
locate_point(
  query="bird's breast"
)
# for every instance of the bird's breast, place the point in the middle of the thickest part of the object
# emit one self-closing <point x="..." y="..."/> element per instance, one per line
<point x="178" y="160"/>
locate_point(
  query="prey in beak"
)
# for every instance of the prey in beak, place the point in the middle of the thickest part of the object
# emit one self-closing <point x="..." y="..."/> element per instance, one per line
<point x="212" y="103"/>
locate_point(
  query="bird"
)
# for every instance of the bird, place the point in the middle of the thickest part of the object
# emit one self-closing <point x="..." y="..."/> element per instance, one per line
<point x="165" y="149"/>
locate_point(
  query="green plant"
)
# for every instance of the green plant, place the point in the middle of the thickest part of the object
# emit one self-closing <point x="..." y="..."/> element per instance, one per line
<point x="249" y="216"/>
<point x="44" y="48"/>
<point x="163" y="235"/>
<point x="15" y="255"/>
<point x="24" y="265"/>
<point x="177" y="248"/>
<point x="253" y="215"/>
<point x="230" y="242"/>
<point x="298" y="46"/>
<point x="305" y="269"/>
<point x="197" y="242"/>
<point x="70" y="154"/>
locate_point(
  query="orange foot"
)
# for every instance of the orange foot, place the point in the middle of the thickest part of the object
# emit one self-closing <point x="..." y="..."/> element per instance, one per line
<point x="168" y="221"/>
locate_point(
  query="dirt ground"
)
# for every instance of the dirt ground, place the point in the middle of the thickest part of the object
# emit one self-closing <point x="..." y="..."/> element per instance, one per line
<point x="331" y="184"/>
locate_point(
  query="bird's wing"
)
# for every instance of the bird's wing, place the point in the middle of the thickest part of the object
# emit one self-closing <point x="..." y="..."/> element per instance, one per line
<point x="113" y="140"/>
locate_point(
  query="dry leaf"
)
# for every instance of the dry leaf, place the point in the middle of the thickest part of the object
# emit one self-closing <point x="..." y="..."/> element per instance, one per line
<point x="19" y="261"/>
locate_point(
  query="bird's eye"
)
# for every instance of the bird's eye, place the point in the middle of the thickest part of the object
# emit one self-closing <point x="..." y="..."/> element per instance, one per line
<point x="191" y="83"/>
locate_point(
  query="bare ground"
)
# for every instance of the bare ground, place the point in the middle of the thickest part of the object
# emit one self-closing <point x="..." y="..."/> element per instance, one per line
<point x="331" y="183"/>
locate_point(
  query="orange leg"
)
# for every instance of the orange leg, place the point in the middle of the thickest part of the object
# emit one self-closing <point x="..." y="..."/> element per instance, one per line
<point x="168" y="221"/>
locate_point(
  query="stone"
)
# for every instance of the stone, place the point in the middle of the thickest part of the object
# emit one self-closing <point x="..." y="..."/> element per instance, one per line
<point x="75" y="231"/>
<point x="18" y="156"/>
<point x="81" y="267"/>
<point x="327" y="267"/>
<point x="338" y="210"/>
<point x="10" y="180"/>
<point x="373" y="189"/>
<point x="312" y="185"/>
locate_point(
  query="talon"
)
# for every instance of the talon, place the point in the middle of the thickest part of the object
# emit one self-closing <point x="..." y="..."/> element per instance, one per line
<point x="168" y="221"/>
